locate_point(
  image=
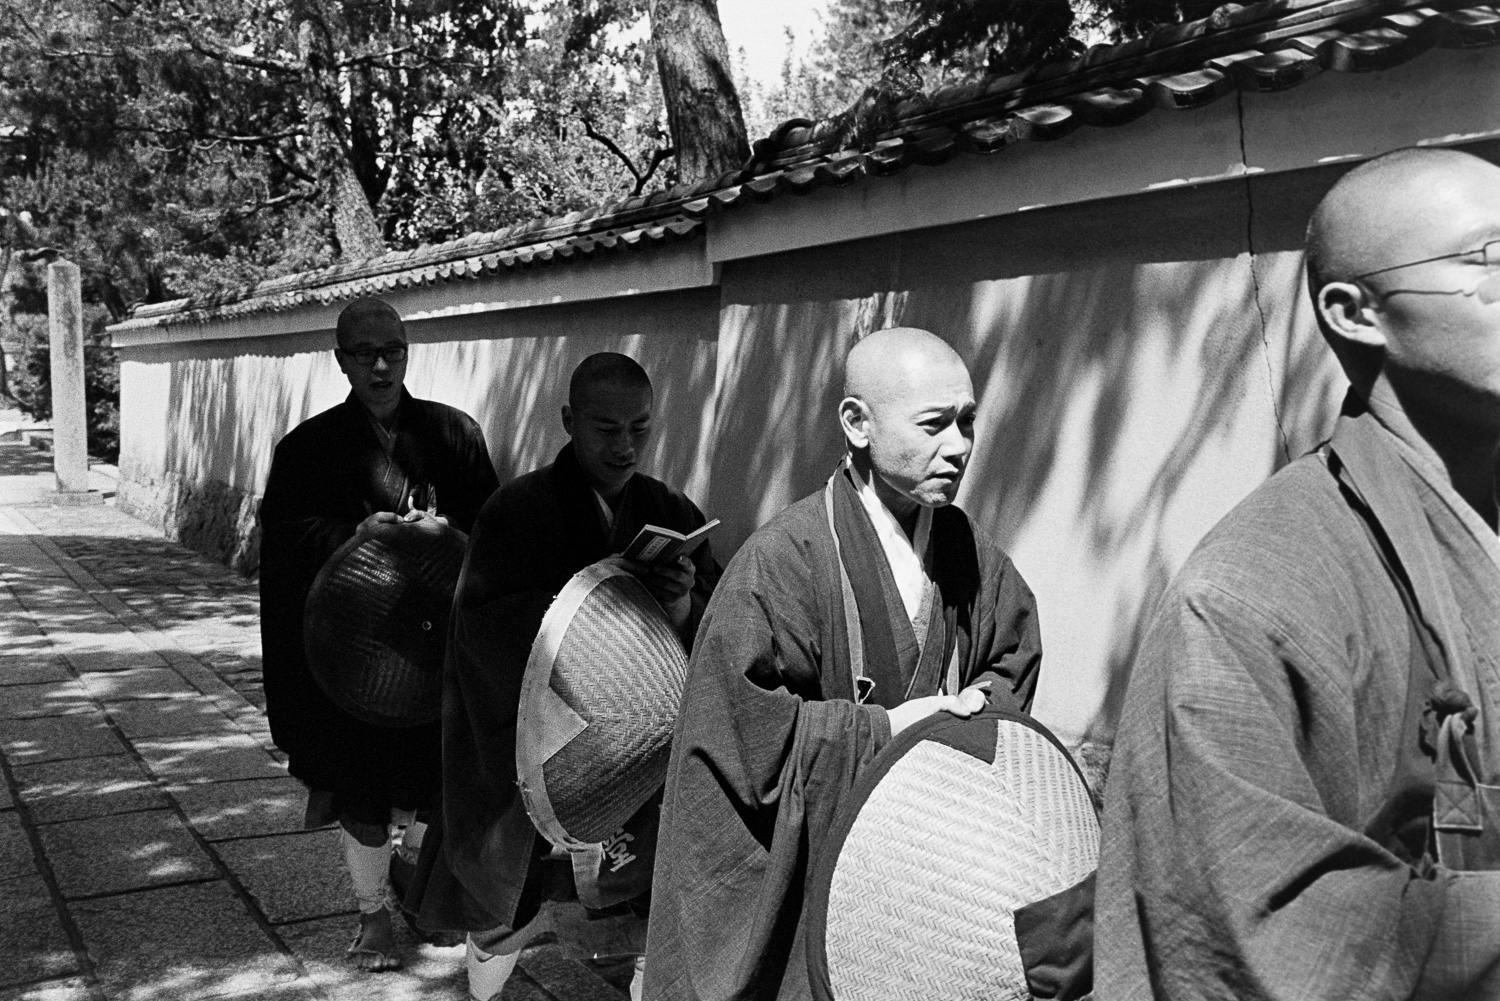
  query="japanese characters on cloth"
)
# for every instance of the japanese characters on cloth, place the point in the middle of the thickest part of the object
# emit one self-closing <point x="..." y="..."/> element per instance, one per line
<point x="327" y="475"/>
<point x="770" y="738"/>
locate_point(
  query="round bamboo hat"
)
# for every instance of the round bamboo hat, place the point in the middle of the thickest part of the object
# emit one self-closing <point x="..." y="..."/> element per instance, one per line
<point x="376" y="624"/>
<point x="953" y="828"/>
<point x="598" y="703"/>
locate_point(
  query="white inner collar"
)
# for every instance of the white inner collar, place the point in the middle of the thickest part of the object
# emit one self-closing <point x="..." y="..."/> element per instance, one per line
<point x="907" y="557"/>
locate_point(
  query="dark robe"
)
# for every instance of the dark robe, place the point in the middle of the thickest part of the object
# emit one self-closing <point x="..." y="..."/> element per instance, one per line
<point x="482" y="868"/>
<point x="328" y="474"/>
<point x="769" y="739"/>
<point x="1269" y="818"/>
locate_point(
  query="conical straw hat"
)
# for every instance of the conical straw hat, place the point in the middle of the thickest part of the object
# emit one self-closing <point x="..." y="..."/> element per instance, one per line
<point x="598" y="703"/>
<point x="376" y="624"/>
<point x="953" y="828"/>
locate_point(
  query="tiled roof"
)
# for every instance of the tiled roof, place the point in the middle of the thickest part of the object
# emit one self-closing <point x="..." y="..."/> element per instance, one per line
<point x="1269" y="46"/>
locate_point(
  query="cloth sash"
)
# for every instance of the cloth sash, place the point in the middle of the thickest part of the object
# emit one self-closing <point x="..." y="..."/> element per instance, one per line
<point x="1440" y="810"/>
<point x="887" y="663"/>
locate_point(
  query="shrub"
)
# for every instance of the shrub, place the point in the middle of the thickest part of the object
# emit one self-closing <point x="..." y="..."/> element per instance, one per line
<point x="31" y="378"/>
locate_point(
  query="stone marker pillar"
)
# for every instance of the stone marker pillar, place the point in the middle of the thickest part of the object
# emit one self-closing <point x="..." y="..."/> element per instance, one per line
<point x="70" y="457"/>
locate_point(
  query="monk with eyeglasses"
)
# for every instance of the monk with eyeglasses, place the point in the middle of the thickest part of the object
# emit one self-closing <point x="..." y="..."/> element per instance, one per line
<point x="1303" y="801"/>
<point x="379" y="459"/>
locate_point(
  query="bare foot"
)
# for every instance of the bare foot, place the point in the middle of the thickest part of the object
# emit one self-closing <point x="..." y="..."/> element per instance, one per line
<point x="375" y="947"/>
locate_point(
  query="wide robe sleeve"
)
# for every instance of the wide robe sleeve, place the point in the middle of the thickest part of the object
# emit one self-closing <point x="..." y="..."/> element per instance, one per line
<point x="759" y="764"/>
<point x="301" y="527"/>
<point x="1007" y="639"/>
<point x="1233" y="863"/>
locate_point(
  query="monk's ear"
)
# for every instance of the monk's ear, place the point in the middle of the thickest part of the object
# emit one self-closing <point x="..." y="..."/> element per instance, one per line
<point x="854" y="418"/>
<point x="1351" y="313"/>
<point x="567" y="416"/>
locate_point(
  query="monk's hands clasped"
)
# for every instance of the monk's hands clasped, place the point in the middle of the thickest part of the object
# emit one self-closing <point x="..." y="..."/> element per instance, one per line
<point x="963" y="705"/>
<point x="382" y="522"/>
<point x="669" y="583"/>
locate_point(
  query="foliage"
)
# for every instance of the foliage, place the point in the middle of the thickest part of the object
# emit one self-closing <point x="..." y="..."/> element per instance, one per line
<point x="31" y="379"/>
<point x="870" y="54"/>
<point x="171" y="147"/>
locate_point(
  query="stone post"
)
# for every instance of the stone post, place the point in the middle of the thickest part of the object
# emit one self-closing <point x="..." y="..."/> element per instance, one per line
<point x="70" y="457"/>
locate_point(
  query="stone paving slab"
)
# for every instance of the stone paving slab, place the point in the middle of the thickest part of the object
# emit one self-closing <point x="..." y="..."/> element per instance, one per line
<point x="292" y="876"/>
<point x="75" y="789"/>
<point x="124" y="852"/>
<point x="27" y="663"/>
<point x="54" y="698"/>
<point x="182" y="943"/>
<point x="55" y="738"/>
<point x="428" y="972"/>
<point x="16" y="859"/>
<point x="33" y="945"/>
<point x="182" y="716"/>
<point x="72" y="989"/>
<point x="209" y="757"/>
<point x="243" y="809"/>
<point x="136" y="683"/>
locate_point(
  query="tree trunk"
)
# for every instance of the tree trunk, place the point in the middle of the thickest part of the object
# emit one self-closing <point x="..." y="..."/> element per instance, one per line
<point x="353" y="219"/>
<point x="703" y="108"/>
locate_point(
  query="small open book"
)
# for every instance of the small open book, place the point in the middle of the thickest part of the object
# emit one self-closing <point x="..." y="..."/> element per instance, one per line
<point x="654" y="544"/>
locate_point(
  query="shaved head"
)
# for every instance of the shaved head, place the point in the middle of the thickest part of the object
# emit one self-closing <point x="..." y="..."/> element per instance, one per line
<point x="607" y="368"/>
<point x="374" y="317"/>
<point x="1401" y="264"/>
<point x="889" y="361"/>
<point x="908" y="416"/>
<point x="1385" y="211"/>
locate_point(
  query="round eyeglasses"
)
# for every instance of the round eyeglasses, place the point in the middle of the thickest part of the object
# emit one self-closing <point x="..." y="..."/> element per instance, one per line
<point x="1486" y="286"/>
<point x="391" y="354"/>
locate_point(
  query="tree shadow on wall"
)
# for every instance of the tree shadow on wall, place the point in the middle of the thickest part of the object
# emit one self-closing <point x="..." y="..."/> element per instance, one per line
<point x="1129" y="379"/>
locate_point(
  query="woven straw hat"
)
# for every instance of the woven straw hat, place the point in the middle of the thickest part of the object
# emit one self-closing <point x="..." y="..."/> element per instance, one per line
<point x="953" y="828"/>
<point x="598" y="703"/>
<point x="376" y="624"/>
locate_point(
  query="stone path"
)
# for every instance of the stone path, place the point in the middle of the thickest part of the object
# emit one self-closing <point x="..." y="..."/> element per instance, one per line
<point x="151" y="844"/>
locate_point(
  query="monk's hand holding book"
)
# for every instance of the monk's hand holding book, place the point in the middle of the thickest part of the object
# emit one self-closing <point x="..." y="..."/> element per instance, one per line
<point x="963" y="705"/>
<point x="670" y="583"/>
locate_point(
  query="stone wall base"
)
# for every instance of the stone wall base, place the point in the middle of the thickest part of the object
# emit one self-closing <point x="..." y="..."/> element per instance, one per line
<point x="213" y="518"/>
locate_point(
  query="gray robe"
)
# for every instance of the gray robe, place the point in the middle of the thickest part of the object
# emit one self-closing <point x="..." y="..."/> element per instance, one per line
<point x="1268" y="825"/>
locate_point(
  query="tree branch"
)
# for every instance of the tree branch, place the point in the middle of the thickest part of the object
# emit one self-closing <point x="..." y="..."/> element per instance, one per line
<point x="641" y="178"/>
<point x="222" y="54"/>
<point x="375" y="58"/>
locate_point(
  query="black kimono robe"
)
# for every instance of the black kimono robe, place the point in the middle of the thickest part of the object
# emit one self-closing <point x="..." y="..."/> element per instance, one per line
<point x="530" y="539"/>
<point x="1272" y="805"/>
<point x="769" y="738"/>
<point x="328" y="474"/>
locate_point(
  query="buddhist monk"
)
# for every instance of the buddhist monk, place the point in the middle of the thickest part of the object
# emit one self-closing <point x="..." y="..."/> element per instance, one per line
<point x="856" y="612"/>
<point x="1301" y="802"/>
<point x="379" y="459"/>
<point x="487" y="871"/>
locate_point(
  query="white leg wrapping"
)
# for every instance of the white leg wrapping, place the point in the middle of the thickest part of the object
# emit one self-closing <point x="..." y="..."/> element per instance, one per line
<point x="638" y="981"/>
<point x="370" y="869"/>
<point x="487" y="974"/>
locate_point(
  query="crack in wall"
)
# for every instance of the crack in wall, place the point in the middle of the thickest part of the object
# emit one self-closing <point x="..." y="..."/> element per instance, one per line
<point x="1260" y="310"/>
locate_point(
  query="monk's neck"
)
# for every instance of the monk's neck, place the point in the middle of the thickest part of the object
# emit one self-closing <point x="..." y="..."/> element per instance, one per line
<point x="1468" y="452"/>
<point x="901" y="507"/>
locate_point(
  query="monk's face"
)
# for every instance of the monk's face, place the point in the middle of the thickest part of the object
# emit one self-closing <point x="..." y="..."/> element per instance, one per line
<point x="921" y="431"/>
<point x="609" y="431"/>
<point x="378" y="384"/>
<point x="1440" y="320"/>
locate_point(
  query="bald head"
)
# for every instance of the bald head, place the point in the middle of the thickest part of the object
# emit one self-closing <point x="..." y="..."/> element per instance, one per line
<point x="1388" y="210"/>
<point x="892" y="361"/>
<point x="373" y="318"/>
<point x="1404" y="289"/>
<point x="606" y="369"/>
<point x="908" y="416"/>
